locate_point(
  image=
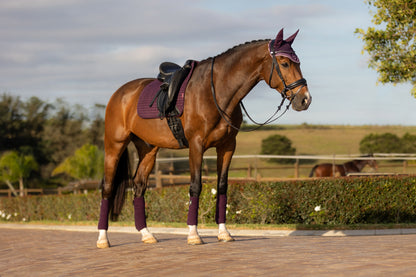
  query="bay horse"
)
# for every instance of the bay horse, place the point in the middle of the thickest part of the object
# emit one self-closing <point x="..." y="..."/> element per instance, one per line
<point x="331" y="170"/>
<point x="211" y="118"/>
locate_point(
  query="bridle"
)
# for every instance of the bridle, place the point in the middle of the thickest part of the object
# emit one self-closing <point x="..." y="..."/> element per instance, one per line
<point x="301" y="82"/>
<point x="275" y="65"/>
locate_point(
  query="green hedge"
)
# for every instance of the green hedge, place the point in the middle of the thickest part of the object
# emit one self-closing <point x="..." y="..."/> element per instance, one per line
<point x="331" y="201"/>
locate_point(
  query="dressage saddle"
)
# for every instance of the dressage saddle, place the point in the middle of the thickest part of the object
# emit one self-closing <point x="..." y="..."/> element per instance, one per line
<point x="171" y="76"/>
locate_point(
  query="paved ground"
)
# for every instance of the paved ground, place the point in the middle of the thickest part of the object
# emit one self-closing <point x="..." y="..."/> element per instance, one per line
<point x="42" y="252"/>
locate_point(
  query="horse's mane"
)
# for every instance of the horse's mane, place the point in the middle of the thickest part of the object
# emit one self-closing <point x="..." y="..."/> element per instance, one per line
<point x="237" y="47"/>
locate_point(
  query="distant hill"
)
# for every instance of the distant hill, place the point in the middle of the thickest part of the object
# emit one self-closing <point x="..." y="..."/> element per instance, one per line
<point x="309" y="139"/>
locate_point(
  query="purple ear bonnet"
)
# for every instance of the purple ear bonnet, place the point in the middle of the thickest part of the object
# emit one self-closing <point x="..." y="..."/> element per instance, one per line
<point x="281" y="47"/>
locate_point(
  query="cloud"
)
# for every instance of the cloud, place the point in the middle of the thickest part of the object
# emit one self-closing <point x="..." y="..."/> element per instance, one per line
<point x="85" y="50"/>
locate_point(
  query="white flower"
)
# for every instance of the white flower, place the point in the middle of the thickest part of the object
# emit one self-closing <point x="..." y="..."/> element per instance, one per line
<point x="3" y="215"/>
<point x="23" y="219"/>
<point x="317" y="208"/>
<point x="238" y="212"/>
<point x="8" y="216"/>
<point x="15" y="214"/>
<point x="214" y="191"/>
<point x="69" y="216"/>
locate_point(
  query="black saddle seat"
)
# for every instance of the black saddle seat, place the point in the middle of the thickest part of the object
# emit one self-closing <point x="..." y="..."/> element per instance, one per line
<point x="167" y="69"/>
<point x="172" y="76"/>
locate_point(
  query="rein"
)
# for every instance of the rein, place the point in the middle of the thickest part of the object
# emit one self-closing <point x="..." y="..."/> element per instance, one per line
<point x="275" y="65"/>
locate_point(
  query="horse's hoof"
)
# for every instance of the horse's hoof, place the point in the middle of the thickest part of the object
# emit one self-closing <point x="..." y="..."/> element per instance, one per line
<point x="225" y="237"/>
<point x="103" y="244"/>
<point x="195" y="240"/>
<point x="149" y="239"/>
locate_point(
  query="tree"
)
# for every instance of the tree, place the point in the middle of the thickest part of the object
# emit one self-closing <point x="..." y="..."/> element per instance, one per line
<point x="15" y="167"/>
<point x="86" y="163"/>
<point x="11" y="122"/>
<point x="393" y="47"/>
<point x="278" y="145"/>
<point x="380" y="143"/>
<point x="408" y="143"/>
<point x="388" y="143"/>
<point x="64" y="131"/>
<point x="95" y="133"/>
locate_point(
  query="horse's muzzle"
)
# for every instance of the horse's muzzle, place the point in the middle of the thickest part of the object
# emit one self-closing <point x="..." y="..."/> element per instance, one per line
<point x="302" y="101"/>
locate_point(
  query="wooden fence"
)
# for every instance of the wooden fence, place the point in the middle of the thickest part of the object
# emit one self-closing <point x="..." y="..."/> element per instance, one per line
<point x="250" y="168"/>
<point x="254" y="168"/>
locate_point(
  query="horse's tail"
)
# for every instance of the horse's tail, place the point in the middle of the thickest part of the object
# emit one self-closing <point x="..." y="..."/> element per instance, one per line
<point x="313" y="170"/>
<point x="121" y="182"/>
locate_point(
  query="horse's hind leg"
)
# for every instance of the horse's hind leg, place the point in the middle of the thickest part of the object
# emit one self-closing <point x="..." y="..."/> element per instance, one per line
<point x="114" y="158"/>
<point x="147" y="158"/>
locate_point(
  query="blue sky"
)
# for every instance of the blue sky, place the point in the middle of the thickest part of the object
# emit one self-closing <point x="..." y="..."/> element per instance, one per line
<point x="83" y="50"/>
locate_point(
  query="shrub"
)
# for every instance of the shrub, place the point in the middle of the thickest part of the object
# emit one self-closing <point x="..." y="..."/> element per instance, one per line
<point x="388" y="143"/>
<point x="380" y="143"/>
<point x="325" y="201"/>
<point x="278" y="145"/>
<point x="408" y="143"/>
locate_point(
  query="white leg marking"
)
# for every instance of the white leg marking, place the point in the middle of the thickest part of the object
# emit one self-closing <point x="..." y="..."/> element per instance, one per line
<point x="102" y="241"/>
<point x="193" y="236"/>
<point x="147" y="237"/>
<point x="223" y="234"/>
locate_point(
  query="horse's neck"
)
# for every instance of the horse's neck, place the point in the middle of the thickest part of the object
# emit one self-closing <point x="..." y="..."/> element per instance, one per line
<point x="359" y="164"/>
<point x="237" y="74"/>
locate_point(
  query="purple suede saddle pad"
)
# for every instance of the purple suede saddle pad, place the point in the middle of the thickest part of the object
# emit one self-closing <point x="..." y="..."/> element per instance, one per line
<point x="145" y="111"/>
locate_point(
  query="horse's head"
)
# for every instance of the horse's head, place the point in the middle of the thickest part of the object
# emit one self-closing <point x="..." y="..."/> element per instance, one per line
<point x="372" y="163"/>
<point x="285" y="75"/>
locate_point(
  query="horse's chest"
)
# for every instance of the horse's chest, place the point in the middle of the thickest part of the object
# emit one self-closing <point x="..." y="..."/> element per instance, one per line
<point x="220" y="135"/>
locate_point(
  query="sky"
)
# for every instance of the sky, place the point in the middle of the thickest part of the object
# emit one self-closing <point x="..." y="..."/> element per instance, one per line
<point x="84" y="50"/>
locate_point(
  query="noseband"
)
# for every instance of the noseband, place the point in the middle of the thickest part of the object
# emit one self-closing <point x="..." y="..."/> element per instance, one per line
<point x="301" y="82"/>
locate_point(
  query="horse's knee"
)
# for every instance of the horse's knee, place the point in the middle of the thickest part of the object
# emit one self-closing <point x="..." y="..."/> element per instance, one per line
<point x="139" y="190"/>
<point x="222" y="186"/>
<point x="195" y="189"/>
<point x="222" y="189"/>
<point x="106" y="189"/>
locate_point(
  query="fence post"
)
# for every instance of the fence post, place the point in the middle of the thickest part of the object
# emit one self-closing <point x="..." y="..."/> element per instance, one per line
<point x="404" y="166"/>
<point x="297" y="168"/>
<point x="171" y="170"/>
<point x="206" y="169"/>
<point x="159" y="179"/>
<point x="249" y="171"/>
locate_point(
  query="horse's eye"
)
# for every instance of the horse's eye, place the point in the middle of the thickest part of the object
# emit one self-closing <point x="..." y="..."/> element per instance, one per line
<point x="285" y="65"/>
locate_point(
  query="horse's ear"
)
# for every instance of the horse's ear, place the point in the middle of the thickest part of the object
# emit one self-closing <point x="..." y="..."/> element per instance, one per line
<point x="292" y="37"/>
<point x="279" y="39"/>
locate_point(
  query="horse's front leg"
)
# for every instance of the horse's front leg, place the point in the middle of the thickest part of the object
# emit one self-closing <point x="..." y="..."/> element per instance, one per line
<point x="224" y="156"/>
<point x="195" y="164"/>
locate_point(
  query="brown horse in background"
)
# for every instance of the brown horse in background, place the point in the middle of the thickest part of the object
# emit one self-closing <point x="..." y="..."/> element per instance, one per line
<point x="211" y="118"/>
<point x="331" y="170"/>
